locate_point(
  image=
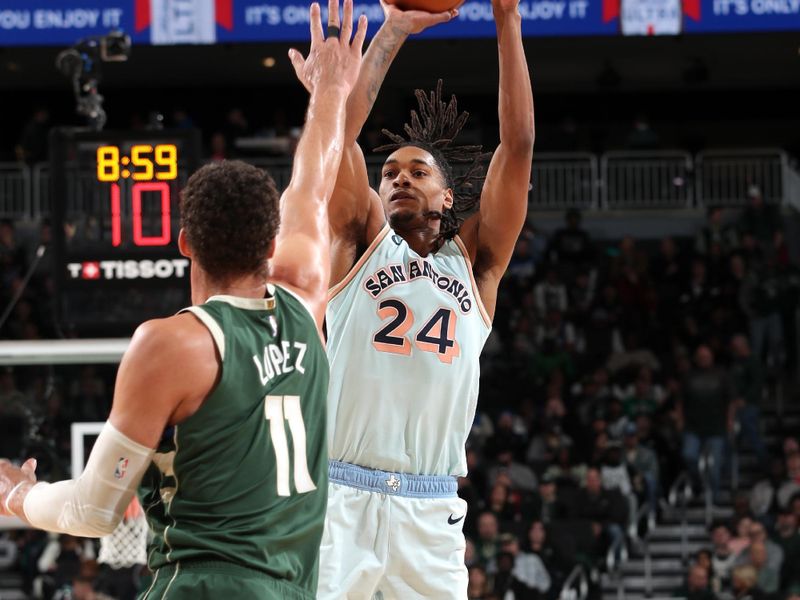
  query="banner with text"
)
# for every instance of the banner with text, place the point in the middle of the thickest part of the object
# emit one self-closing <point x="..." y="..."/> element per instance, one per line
<point x="63" y="22"/>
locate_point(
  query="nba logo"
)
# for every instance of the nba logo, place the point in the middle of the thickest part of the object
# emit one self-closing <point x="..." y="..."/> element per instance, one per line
<point x="122" y="468"/>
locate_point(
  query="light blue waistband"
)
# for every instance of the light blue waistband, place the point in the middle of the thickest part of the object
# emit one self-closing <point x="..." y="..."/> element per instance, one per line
<point x="393" y="484"/>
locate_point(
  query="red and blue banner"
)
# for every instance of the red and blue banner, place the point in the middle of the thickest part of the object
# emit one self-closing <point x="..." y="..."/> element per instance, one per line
<point x="63" y="22"/>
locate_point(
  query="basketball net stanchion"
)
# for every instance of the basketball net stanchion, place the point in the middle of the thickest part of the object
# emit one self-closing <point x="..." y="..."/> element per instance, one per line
<point x="126" y="546"/>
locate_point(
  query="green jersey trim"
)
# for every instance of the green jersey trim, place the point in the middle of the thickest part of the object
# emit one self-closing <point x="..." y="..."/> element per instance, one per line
<point x="245" y="303"/>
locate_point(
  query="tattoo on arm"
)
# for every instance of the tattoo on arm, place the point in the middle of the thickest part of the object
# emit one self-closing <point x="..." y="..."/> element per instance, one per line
<point x="385" y="49"/>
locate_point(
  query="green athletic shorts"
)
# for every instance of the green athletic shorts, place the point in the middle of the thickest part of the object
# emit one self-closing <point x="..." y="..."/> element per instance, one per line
<point x="211" y="580"/>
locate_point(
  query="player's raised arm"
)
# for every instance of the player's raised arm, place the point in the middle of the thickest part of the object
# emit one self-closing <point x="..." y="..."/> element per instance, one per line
<point x="356" y="215"/>
<point x="491" y="235"/>
<point x="302" y="258"/>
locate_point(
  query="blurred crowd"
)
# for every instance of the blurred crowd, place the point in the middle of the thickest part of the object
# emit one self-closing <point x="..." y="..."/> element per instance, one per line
<point x="612" y="367"/>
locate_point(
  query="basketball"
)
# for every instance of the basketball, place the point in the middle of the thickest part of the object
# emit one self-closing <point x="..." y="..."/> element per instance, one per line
<point x="431" y="6"/>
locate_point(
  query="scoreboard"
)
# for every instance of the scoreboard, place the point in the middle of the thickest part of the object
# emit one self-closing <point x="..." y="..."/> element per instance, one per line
<point x="116" y="221"/>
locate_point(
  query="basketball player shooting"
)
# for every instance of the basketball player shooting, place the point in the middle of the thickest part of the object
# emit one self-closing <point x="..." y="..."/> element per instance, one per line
<point x="219" y="412"/>
<point x="414" y="289"/>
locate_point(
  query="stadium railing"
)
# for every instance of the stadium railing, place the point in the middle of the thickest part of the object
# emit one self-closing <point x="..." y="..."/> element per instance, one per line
<point x="725" y="176"/>
<point x="679" y="495"/>
<point x="671" y="180"/>
<point x="576" y="585"/>
<point x="633" y="180"/>
<point x="792" y="189"/>
<point x="15" y="191"/>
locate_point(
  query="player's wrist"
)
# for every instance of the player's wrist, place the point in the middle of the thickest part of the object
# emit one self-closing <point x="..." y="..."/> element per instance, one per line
<point x="331" y="90"/>
<point x="399" y="23"/>
<point x="506" y="14"/>
<point x="15" y="500"/>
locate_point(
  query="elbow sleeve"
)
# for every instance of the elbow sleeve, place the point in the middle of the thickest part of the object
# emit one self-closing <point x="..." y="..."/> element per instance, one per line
<point x="93" y="504"/>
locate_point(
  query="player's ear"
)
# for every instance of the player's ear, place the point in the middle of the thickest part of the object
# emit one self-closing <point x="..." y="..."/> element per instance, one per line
<point x="271" y="249"/>
<point x="183" y="244"/>
<point x="448" y="198"/>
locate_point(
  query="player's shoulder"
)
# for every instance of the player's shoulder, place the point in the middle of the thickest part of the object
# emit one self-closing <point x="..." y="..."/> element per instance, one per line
<point x="181" y="337"/>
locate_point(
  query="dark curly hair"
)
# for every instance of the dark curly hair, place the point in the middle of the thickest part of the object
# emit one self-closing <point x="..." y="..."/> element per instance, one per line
<point x="230" y="215"/>
<point x="434" y="129"/>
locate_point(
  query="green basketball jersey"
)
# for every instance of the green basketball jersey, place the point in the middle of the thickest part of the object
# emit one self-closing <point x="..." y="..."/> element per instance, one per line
<point x="244" y="479"/>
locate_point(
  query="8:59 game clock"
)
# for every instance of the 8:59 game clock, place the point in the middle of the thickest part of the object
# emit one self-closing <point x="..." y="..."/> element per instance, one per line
<point x="115" y="198"/>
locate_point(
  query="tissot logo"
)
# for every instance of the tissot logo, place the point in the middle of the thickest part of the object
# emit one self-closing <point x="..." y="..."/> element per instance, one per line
<point x="164" y="268"/>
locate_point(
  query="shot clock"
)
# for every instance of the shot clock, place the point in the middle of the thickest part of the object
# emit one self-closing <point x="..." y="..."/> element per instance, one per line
<point x="115" y="202"/>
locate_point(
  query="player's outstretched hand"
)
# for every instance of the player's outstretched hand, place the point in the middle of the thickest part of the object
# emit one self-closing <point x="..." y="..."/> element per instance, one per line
<point x="332" y="60"/>
<point x="415" y="21"/>
<point x="11" y="480"/>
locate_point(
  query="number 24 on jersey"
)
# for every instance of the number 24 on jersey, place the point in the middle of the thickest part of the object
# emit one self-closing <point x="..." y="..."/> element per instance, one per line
<point x="437" y="335"/>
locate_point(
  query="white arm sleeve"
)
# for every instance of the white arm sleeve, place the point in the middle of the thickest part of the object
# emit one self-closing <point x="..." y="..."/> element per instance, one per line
<point x="93" y="504"/>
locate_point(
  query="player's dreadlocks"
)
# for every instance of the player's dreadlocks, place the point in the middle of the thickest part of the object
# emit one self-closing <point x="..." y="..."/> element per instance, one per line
<point x="434" y="129"/>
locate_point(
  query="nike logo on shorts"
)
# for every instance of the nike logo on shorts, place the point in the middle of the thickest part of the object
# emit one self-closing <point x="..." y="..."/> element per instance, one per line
<point x="453" y="521"/>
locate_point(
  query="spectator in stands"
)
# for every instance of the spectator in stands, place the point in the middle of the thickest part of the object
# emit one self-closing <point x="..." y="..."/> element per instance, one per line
<point x="700" y="294"/>
<point x="706" y="403"/>
<point x="478" y="586"/>
<point x="547" y="506"/>
<point x="550" y="294"/>
<point x="716" y="232"/>
<point x="703" y="559"/>
<point x="520" y="477"/>
<point x="791" y="485"/>
<point x="61" y="562"/>
<point x="722" y="557"/>
<point x="522" y="267"/>
<point x="501" y="505"/>
<point x="83" y="589"/>
<point x="744" y="584"/>
<point x="470" y="557"/>
<point x="488" y="543"/>
<point x="642" y="136"/>
<point x="524" y="574"/>
<point x="32" y="147"/>
<point x="644" y="464"/>
<point x="554" y="328"/>
<point x="218" y="146"/>
<point x="632" y="355"/>
<point x="742" y="540"/>
<point x="12" y="255"/>
<point x="606" y="509"/>
<point x="747" y="378"/>
<point x="696" y="586"/>
<point x="509" y="434"/>
<point x="236" y="126"/>
<point x="757" y="534"/>
<point x="643" y="396"/>
<point x="764" y="495"/>
<point x="88" y="396"/>
<point x="546" y="445"/>
<point x="604" y="323"/>
<point x="571" y="246"/>
<point x="788" y="537"/>
<point x="768" y="576"/>
<point x="761" y="302"/>
<point x="668" y="272"/>
<point x="760" y="219"/>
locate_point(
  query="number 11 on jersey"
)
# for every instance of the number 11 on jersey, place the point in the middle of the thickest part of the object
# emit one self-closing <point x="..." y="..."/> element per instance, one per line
<point x="278" y="409"/>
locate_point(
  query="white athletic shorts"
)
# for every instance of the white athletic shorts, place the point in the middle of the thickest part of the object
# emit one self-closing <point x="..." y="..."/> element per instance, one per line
<point x="392" y="536"/>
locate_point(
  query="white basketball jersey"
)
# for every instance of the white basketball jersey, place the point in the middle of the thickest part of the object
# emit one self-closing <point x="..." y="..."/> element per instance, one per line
<point x="404" y="337"/>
